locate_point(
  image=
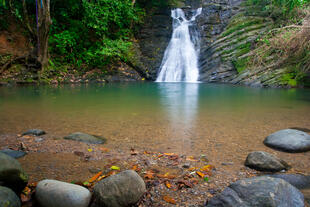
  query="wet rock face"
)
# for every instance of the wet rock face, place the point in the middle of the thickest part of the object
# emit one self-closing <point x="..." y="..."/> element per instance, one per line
<point x="264" y="161"/>
<point x="120" y="190"/>
<point x="257" y="192"/>
<point x="153" y="38"/>
<point x="8" y="198"/>
<point x="11" y="173"/>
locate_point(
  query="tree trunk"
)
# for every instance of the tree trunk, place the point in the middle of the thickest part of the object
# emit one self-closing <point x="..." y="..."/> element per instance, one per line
<point x="43" y="28"/>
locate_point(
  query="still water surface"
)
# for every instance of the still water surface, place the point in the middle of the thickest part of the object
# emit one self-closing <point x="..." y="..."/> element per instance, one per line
<point x="182" y="117"/>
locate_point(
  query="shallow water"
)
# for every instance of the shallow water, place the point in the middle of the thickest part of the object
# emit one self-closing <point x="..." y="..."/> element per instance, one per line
<point x="188" y="118"/>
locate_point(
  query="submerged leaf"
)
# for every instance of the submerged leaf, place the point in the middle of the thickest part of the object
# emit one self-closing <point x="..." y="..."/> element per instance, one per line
<point x="168" y="199"/>
<point x="200" y="174"/>
<point x="115" y="168"/>
<point x="94" y="178"/>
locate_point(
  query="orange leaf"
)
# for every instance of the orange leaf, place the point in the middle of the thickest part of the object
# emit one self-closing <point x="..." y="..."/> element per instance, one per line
<point x="160" y="155"/>
<point x="169" y="154"/>
<point x="94" y="178"/>
<point x="192" y="168"/>
<point x="168" y="199"/>
<point x="103" y="149"/>
<point x="200" y="174"/>
<point x="191" y="158"/>
<point x="101" y="177"/>
<point x="25" y="198"/>
<point x="168" y="184"/>
<point x="149" y="175"/>
<point x="206" y="168"/>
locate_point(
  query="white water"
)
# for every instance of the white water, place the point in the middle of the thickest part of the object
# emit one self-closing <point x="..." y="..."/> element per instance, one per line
<point x="180" y="62"/>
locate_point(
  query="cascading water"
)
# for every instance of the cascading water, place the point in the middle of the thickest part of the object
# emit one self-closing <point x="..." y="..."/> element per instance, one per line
<point x="180" y="62"/>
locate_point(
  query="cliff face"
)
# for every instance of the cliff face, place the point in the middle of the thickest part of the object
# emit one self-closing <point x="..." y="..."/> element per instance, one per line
<point x="228" y="30"/>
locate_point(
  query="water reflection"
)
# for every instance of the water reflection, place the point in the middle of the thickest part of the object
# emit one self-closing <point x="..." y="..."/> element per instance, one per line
<point x="180" y="101"/>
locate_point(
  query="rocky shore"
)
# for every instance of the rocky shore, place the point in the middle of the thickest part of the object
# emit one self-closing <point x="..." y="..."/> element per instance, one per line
<point x="143" y="178"/>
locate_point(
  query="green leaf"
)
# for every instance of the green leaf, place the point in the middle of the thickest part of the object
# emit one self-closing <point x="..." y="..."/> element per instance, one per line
<point x="115" y="168"/>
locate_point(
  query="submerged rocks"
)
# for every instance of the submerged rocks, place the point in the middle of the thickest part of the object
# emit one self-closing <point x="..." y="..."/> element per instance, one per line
<point x="13" y="153"/>
<point x="11" y="173"/>
<point x="82" y="137"/>
<point x="264" y="161"/>
<point x="36" y="132"/>
<point x="289" y="140"/>
<point x="8" y="198"/>
<point x="257" y="192"/>
<point x="120" y="190"/>
<point x="53" y="193"/>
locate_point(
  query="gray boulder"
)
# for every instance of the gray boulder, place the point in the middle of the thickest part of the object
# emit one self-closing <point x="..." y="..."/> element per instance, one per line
<point x="8" y="198"/>
<point x="297" y="180"/>
<point x="264" y="161"/>
<point x="13" y="153"/>
<point x="53" y="193"/>
<point x="82" y="137"/>
<point x="36" y="132"/>
<point x="289" y="140"/>
<point x="11" y="173"/>
<point x="258" y="192"/>
<point x="120" y="190"/>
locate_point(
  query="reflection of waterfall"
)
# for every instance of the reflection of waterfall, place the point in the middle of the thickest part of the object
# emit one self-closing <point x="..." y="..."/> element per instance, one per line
<point x="180" y="62"/>
<point x="181" y="103"/>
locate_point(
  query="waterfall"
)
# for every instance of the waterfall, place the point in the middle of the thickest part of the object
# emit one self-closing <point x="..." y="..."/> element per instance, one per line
<point x="180" y="62"/>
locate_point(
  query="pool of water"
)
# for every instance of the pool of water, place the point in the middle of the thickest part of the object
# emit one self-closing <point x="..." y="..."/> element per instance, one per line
<point x="188" y="118"/>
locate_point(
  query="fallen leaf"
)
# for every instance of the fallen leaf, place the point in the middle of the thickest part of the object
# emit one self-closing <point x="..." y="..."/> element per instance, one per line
<point x="25" y="198"/>
<point x="133" y="151"/>
<point x="169" y="154"/>
<point x="206" y="168"/>
<point x="160" y="155"/>
<point x="103" y="149"/>
<point x="185" y="183"/>
<point x="192" y="168"/>
<point x="200" y="174"/>
<point x="115" y="168"/>
<point x="168" y="185"/>
<point x="87" y="184"/>
<point x="90" y="150"/>
<point x="206" y="179"/>
<point x="26" y="136"/>
<point x="101" y="177"/>
<point x="191" y="158"/>
<point x="94" y="178"/>
<point x="168" y="199"/>
<point x="149" y="175"/>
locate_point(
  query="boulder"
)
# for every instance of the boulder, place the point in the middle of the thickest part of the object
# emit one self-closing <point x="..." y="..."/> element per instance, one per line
<point x="257" y="192"/>
<point x="13" y="153"/>
<point x="297" y="180"/>
<point x="53" y="193"/>
<point x="36" y="132"/>
<point x="82" y="137"/>
<point x="289" y="140"/>
<point x="8" y="198"/>
<point x="11" y="173"/>
<point x="120" y="190"/>
<point x="264" y="161"/>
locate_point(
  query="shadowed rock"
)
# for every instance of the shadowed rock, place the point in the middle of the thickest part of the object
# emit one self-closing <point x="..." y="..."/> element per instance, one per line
<point x="258" y="192"/>
<point x="8" y="198"/>
<point x="36" y="132"/>
<point x="264" y="161"/>
<point x="11" y="173"/>
<point x="13" y="153"/>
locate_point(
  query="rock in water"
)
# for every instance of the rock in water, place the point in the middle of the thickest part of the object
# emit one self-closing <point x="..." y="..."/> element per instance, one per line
<point x="13" y="153"/>
<point x="120" y="190"/>
<point x="82" y="137"/>
<point x="36" y="132"/>
<point x="289" y="140"/>
<point x="8" y="198"/>
<point x="297" y="180"/>
<point x="11" y="173"/>
<point x="264" y="161"/>
<point x="53" y="193"/>
<point x="258" y="192"/>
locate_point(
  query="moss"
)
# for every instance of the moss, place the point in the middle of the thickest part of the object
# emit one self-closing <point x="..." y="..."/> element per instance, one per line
<point x="240" y="64"/>
<point x="240" y="49"/>
<point x="241" y="24"/>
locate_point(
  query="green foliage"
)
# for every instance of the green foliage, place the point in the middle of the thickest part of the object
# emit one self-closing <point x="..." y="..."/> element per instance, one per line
<point x="92" y="33"/>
